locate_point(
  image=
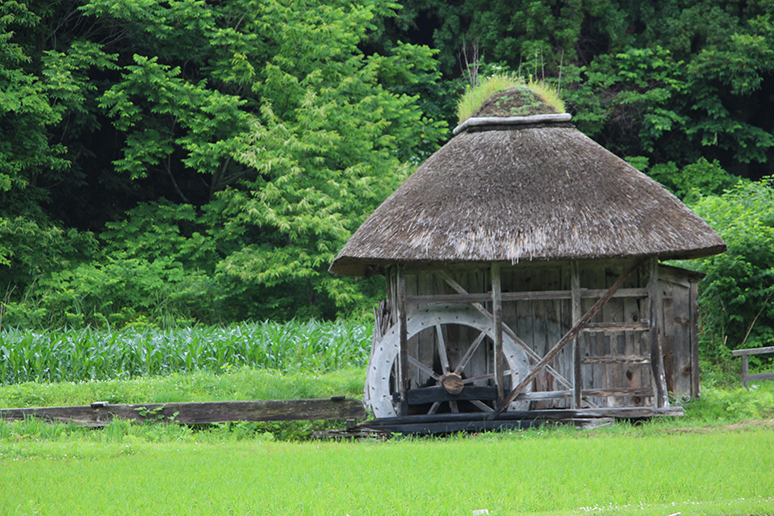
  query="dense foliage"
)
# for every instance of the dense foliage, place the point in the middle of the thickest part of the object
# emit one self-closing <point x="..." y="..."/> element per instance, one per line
<point x="737" y="298"/>
<point x="174" y="162"/>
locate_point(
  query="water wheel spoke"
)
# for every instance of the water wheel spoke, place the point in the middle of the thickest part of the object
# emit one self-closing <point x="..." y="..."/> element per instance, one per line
<point x="477" y="378"/>
<point x="425" y="369"/>
<point x="436" y="362"/>
<point x="442" y="348"/>
<point x="469" y="353"/>
<point x="454" y="408"/>
<point x="483" y="406"/>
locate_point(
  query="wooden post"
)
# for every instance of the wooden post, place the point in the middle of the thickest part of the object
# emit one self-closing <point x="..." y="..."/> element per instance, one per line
<point x="497" y="309"/>
<point x="693" y="303"/>
<point x="745" y="371"/>
<point x="656" y="353"/>
<point x="403" y="358"/>
<point x="524" y="382"/>
<point x="577" y="400"/>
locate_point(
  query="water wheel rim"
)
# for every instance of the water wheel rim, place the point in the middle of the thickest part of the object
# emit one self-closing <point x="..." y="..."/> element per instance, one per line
<point x="386" y="351"/>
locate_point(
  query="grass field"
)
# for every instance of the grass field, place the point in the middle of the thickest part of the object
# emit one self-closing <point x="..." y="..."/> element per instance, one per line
<point x="718" y="460"/>
<point x="630" y="471"/>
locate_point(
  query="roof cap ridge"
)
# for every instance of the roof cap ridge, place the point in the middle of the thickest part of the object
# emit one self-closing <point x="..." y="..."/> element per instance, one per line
<point x="512" y="120"/>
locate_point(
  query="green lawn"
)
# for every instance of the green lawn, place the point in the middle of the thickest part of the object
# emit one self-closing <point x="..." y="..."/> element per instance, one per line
<point x="627" y="470"/>
<point x="689" y="465"/>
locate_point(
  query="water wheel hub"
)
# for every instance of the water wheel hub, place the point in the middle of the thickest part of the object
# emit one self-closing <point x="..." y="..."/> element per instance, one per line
<point x="452" y="382"/>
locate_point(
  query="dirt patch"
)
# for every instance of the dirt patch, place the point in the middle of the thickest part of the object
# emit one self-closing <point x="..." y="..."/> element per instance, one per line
<point x="515" y="101"/>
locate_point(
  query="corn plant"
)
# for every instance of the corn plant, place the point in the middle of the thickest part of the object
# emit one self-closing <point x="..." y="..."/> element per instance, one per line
<point x="89" y="354"/>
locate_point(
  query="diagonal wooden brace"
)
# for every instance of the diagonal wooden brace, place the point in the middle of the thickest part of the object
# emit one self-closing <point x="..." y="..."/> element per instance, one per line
<point x="564" y="340"/>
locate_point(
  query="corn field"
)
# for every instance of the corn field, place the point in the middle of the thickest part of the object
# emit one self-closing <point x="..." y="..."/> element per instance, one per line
<point x="89" y="354"/>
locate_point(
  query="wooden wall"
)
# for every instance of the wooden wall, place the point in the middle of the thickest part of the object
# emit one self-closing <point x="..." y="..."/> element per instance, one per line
<point x="541" y="323"/>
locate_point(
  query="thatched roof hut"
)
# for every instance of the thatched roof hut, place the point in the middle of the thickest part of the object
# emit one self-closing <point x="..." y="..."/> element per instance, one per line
<point x="495" y="247"/>
<point x="525" y="188"/>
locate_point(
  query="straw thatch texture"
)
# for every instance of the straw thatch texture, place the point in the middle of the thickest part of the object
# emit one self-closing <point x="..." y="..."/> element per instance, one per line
<point x="528" y="193"/>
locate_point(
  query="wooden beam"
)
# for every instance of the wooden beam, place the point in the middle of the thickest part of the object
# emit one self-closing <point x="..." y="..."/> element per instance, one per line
<point x="577" y="399"/>
<point x="616" y="359"/>
<point x="403" y="361"/>
<point x="634" y="391"/>
<point x="543" y="395"/>
<point x="450" y="298"/>
<point x="436" y="393"/>
<point x="539" y="295"/>
<point x="752" y="351"/>
<point x="745" y="354"/>
<point x="497" y="312"/>
<point x="616" y="326"/>
<point x="568" y="337"/>
<point x="656" y="352"/>
<point x="101" y="414"/>
<point x="551" y="414"/>
<point x="623" y="292"/>
<point x="761" y="376"/>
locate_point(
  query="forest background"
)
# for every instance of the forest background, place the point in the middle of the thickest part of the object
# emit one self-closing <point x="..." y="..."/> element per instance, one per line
<point x="201" y="162"/>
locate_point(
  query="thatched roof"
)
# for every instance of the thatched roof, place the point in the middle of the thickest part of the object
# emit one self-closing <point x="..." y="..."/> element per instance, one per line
<point x="509" y="193"/>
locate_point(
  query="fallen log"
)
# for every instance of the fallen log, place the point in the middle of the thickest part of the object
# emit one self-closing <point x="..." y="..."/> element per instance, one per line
<point x="100" y="414"/>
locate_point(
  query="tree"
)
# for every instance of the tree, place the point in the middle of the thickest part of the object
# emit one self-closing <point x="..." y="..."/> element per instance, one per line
<point x="250" y="138"/>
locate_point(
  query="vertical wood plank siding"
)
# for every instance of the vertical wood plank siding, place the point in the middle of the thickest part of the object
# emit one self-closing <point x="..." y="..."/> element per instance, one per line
<point x="540" y="323"/>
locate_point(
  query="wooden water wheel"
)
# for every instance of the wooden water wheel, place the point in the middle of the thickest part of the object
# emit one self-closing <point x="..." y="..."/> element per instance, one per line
<point x="446" y="381"/>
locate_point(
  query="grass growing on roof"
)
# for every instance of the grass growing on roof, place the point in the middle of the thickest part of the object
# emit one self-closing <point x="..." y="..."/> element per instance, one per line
<point x="475" y="97"/>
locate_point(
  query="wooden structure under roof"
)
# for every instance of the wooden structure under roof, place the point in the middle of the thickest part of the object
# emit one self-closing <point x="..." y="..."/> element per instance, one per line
<point x="522" y="265"/>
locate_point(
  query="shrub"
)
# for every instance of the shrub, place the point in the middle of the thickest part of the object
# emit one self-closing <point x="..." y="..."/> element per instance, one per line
<point x="737" y="296"/>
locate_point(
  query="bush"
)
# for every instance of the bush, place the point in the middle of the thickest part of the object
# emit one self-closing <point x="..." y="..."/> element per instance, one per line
<point x="737" y="294"/>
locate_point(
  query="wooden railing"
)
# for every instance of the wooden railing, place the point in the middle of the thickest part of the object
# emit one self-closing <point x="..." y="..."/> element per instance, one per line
<point x="745" y="354"/>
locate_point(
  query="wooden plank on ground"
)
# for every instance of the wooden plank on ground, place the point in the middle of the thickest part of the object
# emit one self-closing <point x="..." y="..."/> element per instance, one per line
<point x="450" y="427"/>
<point x="553" y="414"/>
<point x="101" y="414"/>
